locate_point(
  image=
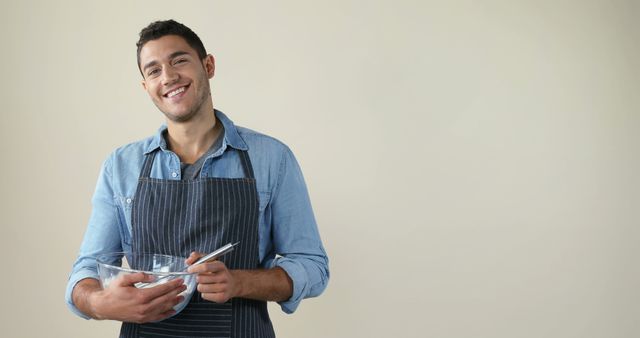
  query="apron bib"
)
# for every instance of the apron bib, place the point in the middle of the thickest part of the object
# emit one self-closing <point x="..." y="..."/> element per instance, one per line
<point x="174" y="217"/>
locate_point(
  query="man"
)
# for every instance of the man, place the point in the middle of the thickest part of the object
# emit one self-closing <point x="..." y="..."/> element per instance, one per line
<point x="171" y="193"/>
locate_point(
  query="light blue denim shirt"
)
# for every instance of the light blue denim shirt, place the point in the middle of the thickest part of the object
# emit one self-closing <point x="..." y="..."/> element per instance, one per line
<point x="288" y="234"/>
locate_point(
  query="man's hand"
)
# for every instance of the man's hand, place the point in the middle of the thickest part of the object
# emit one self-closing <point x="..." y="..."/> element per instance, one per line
<point x="218" y="284"/>
<point x="124" y="302"/>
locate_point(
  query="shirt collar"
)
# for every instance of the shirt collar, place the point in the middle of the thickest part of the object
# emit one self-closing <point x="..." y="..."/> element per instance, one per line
<point x="231" y="138"/>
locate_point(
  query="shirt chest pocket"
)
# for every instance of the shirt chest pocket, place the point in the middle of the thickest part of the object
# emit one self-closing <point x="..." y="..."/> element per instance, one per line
<point x="264" y="198"/>
<point x="124" y="206"/>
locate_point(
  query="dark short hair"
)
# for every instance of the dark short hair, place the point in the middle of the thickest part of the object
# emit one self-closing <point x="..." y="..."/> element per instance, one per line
<point x="158" y="29"/>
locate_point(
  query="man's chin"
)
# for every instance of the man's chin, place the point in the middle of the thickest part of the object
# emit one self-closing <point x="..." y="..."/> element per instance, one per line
<point x="179" y="117"/>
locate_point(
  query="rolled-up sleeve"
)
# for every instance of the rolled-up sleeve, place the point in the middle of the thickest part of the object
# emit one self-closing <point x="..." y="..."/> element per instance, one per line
<point x="102" y="234"/>
<point x="296" y="239"/>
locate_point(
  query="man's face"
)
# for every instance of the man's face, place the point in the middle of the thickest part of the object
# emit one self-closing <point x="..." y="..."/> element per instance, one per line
<point x="175" y="78"/>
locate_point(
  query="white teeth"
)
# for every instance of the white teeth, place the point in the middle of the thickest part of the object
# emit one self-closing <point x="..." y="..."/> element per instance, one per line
<point x="176" y="92"/>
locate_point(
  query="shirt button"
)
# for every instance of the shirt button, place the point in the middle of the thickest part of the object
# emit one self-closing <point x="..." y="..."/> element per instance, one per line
<point x="174" y="174"/>
<point x="128" y="200"/>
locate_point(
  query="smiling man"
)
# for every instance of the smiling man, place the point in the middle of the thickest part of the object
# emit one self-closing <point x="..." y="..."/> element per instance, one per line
<point x="200" y="182"/>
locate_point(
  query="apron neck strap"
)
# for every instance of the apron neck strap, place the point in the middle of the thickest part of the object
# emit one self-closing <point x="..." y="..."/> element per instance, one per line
<point x="148" y="163"/>
<point x="246" y="164"/>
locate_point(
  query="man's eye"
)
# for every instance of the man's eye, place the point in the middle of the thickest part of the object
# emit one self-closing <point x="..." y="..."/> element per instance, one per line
<point x="181" y="61"/>
<point x="152" y="72"/>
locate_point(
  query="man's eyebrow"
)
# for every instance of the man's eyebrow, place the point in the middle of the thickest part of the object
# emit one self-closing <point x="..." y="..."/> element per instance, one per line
<point x="171" y="56"/>
<point x="176" y="54"/>
<point x="150" y="64"/>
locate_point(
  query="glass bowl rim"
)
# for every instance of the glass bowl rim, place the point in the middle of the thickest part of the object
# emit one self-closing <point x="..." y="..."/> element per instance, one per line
<point x="155" y="273"/>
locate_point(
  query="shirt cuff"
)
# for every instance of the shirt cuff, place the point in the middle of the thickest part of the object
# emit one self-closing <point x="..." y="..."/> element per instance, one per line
<point x="73" y="280"/>
<point x="299" y="278"/>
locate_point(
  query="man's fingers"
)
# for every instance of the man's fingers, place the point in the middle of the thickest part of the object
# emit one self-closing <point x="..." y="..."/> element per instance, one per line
<point x="214" y="266"/>
<point x="213" y="288"/>
<point x="162" y="289"/>
<point x="218" y="297"/>
<point x="193" y="257"/>
<point x="168" y="301"/>
<point x="132" y="278"/>
<point x="210" y="278"/>
<point x="163" y="305"/>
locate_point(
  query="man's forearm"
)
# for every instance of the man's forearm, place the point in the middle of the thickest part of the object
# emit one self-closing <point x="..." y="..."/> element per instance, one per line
<point x="82" y="293"/>
<point x="267" y="285"/>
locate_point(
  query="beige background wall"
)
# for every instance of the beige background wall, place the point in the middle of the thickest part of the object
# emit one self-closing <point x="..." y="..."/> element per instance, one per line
<point x="473" y="164"/>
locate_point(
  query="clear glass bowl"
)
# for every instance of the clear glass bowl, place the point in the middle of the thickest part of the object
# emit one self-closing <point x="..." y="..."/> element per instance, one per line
<point x="163" y="268"/>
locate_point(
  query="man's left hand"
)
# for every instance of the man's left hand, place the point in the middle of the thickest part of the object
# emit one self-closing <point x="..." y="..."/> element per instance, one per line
<point x="216" y="283"/>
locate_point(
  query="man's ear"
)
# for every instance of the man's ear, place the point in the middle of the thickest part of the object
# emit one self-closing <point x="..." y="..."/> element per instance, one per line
<point x="209" y="65"/>
<point x="144" y="85"/>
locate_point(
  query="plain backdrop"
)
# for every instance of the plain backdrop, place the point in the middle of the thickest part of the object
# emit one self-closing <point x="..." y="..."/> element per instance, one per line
<point x="472" y="164"/>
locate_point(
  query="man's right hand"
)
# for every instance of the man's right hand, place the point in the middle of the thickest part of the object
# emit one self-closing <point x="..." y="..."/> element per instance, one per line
<point x="122" y="301"/>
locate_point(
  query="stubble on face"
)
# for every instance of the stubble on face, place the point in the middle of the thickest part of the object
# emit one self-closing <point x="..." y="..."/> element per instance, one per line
<point x="197" y="105"/>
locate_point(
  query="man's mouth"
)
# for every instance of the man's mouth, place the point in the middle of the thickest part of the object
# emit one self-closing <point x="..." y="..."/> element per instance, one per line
<point x="176" y="91"/>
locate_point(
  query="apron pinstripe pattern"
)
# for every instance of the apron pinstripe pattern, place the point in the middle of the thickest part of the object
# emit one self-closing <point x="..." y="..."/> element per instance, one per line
<point x="176" y="217"/>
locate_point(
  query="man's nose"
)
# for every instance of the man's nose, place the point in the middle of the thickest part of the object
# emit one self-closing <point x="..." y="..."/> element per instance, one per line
<point x="169" y="76"/>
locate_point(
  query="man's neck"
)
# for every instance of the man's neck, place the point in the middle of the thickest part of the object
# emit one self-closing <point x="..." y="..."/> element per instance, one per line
<point x="190" y="140"/>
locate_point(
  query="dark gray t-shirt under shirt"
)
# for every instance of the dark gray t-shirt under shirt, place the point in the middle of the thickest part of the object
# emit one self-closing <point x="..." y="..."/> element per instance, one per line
<point x="192" y="171"/>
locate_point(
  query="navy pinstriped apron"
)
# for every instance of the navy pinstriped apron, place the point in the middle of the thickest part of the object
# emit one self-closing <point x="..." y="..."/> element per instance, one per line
<point x="176" y="217"/>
